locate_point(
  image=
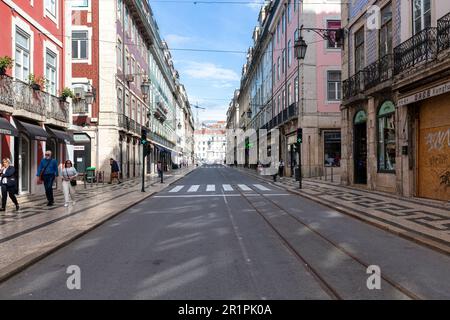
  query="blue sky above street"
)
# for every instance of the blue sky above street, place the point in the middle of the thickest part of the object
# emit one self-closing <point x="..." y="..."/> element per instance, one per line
<point x="210" y="78"/>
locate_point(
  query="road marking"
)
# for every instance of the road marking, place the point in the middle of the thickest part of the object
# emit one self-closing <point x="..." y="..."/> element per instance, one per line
<point x="227" y="187"/>
<point x="176" y="189"/>
<point x="243" y="187"/>
<point x="261" y="187"/>
<point x="211" y="187"/>
<point x="221" y="195"/>
<point x="194" y="188"/>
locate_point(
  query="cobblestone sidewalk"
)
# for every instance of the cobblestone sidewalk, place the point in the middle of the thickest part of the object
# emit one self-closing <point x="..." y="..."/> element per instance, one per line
<point x="426" y="222"/>
<point x="37" y="230"/>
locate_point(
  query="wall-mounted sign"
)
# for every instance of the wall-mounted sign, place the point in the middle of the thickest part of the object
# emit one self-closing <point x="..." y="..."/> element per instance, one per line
<point x="78" y="148"/>
<point x="425" y="94"/>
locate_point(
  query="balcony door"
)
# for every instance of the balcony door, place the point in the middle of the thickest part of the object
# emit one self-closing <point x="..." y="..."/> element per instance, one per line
<point x="421" y="15"/>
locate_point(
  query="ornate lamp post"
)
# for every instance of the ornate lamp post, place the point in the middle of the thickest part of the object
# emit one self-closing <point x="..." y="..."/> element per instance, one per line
<point x="145" y="89"/>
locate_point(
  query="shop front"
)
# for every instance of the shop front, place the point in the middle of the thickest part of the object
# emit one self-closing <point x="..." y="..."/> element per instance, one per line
<point x="82" y="151"/>
<point x="360" y="147"/>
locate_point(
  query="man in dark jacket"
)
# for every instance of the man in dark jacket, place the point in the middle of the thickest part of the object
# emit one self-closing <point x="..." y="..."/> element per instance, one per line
<point x="114" y="171"/>
<point x="47" y="172"/>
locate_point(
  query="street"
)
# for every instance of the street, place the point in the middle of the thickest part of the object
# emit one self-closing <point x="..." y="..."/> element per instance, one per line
<point x="220" y="234"/>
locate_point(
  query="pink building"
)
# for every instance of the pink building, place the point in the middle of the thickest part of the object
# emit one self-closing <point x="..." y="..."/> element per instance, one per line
<point x="319" y="85"/>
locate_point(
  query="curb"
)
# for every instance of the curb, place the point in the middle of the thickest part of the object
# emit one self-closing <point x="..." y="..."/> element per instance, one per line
<point x="27" y="261"/>
<point x="405" y="234"/>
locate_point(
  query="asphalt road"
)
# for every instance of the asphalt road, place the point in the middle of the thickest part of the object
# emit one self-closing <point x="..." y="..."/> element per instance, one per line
<point x="220" y="234"/>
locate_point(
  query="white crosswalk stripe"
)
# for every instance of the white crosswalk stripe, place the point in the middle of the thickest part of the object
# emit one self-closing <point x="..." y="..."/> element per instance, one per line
<point x="210" y="187"/>
<point x="227" y="187"/>
<point x="194" y="188"/>
<point x="243" y="187"/>
<point x="261" y="187"/>
<point x="176" y="189"/>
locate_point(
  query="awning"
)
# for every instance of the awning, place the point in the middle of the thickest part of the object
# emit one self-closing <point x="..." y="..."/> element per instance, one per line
<point x="62" y="136"/>
<point x="32" y="130"/>
<point x="7" y="128"/>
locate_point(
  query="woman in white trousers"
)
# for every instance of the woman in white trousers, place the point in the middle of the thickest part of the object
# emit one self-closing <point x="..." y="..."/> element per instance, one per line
<point x="68" y="174"/>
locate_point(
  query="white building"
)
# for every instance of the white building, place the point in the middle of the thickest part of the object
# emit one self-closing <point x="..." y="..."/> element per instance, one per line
<point x="210" y="143"/>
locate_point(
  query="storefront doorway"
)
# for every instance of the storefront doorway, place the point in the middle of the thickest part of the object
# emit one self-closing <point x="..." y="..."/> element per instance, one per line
<point x="24" y="164"/>
<point x="360" y="147"/>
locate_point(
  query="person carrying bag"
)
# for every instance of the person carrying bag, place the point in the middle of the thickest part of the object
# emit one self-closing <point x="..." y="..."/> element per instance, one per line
<point x="69" y="175"/>
<point x="8" y="184"/>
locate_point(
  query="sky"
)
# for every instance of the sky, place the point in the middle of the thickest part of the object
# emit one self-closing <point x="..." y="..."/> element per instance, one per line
<point x="210" y="78"/>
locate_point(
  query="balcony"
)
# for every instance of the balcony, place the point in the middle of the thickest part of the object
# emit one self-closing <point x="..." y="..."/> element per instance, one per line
<point x="443" y="33"/>
<point x="126" y="123"/>
<point x="20" y="96"/>
<point x="353" y="85"/>
<point x="282" y="117"/>
<point x="378" y="72"/>
<point x="419" y="49"/>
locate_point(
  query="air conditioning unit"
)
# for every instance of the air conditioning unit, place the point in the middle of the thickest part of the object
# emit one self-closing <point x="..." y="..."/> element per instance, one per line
<point x="94" y="119"/>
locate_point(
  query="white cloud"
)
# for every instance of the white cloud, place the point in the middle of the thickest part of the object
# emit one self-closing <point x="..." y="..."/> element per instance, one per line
<point x="255" y="5"/>
<point x="209" y="71"/>
<point x="175" y="40"/>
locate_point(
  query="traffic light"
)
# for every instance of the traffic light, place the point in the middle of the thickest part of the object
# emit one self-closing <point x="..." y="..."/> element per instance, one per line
<point x="299" y="135"/>
<point x="144" y="136"/>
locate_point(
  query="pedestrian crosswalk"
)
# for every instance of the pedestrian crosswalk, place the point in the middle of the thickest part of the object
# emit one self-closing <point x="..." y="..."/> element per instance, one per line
<point x="219" y="188"/>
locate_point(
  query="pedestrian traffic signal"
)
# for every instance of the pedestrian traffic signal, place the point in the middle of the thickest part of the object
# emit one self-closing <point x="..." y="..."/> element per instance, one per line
<point x="299" y="135"/>
<point x="144" y="136"/>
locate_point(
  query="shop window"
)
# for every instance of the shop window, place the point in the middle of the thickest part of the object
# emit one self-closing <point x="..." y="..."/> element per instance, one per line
<point x="386" y="137"/>
<point x="332" y="148"/>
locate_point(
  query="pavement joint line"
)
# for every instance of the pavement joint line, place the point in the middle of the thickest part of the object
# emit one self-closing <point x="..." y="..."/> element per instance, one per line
<point x="404" y="232"/>
<point x="28" y="261"/>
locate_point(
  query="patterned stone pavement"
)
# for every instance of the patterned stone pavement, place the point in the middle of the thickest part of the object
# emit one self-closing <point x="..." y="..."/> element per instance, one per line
<point x="36" y="230"/>
<point x="420" y="220"/>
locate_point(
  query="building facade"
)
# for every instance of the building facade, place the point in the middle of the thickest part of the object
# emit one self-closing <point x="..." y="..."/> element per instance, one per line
<point x="33" y="118"/>
<point x="279" y="91"/>
<point x="211" y="143"/>
<point x="125" y="35"/>
<point x="395" y="110"/>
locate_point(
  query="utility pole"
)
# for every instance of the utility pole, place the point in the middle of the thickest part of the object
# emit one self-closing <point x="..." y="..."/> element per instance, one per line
<point x="144" y="143"/>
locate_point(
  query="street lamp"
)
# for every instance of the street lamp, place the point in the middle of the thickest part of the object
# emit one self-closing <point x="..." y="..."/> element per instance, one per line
<point x="89" y="96"/>
<point x="145" y="89"/>
<point x="300" y="47"/>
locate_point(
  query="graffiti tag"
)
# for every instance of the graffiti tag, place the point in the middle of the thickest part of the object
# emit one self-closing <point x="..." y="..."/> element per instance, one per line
<point x="438" y="140"/>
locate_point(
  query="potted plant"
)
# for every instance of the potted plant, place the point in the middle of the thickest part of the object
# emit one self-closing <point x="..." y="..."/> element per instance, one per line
<point x="37" y="82"/>
<point x="67" y="93"/>
<point x="5" y="63"/>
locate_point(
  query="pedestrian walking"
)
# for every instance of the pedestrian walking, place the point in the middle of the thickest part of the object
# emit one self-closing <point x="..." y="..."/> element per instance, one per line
<point x="281" y="168"/>
<point x="69" y="175"/>
<point x="114" y="171"/>
<point x="47" y="172"/>
<point x="8" y="183"/>
<point x="159" y="167"/>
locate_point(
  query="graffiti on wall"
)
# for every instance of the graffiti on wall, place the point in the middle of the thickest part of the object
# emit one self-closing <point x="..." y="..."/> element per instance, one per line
<point x="438" y="140"/>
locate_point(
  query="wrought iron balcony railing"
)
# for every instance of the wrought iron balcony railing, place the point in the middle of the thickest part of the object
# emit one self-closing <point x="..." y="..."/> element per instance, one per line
<point x="282" y="117"/>
<point x="21" y="96"/>
<point x="353" y="85"/>
<point x="443" y="32"/>
<point x="420" y="48"/>
<point x="378" y="72"/>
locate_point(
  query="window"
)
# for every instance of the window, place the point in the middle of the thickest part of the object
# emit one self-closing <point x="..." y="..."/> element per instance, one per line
<point x="283" y="23"/>
<point x="296" y="89"/>
<point x="133" y="110"/>
<point x="80" y="3"/>
<point x="283" y="100"/>
<point x="80" y="45"/>
<point x="278" y="32"/>
<point x="283" y="67"/>
<point x="288" y="9"/>
<point x="51" y="71"/>
<point x="119" y="10"/>
<point x="278" y="68"/>
<point x="289" y="94"/>
<point x="359" y="50"/>
<point x="332" y="148"/>
<point x="22" y="55"/>
<point x="385" y="32"/>
<point x="289" y="50"/>
<point x="335" y="25"/>
<point x="334" y="85"/>
<point x="119" y="101"/>
<point x="421" y="14"/>
<point x="50" y="7"/>
<point x="279" y="104"/>
<point x="119" y="54"/>
<point x="127" y="105"/>
<point x="386" y="137"/>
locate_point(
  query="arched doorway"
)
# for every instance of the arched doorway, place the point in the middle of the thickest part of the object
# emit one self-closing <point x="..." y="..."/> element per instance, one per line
<point x="360" y="147"/>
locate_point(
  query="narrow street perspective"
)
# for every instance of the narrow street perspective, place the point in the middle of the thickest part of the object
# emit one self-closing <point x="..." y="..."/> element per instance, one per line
<point x="208" y="151"/>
